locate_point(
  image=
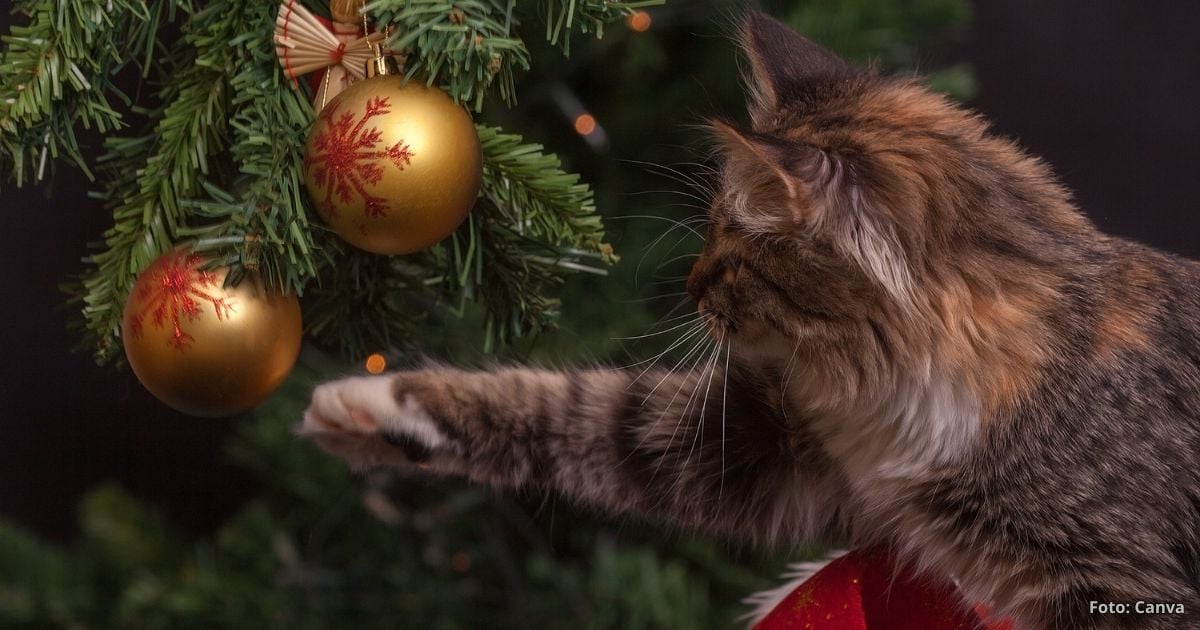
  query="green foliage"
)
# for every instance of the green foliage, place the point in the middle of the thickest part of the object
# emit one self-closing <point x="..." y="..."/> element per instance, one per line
<point x="57" y="77"/>
<point x="533" y="225"/>
<point x="150" y="174"/>
<point x="267" y="205"/>
<point x="469" y="46"/>
<point x="366" y="303"/>
<point x="41" y="584"/>
<point x="536" y="197"/>
<point x="217" y="164"/>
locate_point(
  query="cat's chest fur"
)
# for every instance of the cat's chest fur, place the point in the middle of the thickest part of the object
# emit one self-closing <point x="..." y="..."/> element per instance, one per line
<point x="923" y="420"/>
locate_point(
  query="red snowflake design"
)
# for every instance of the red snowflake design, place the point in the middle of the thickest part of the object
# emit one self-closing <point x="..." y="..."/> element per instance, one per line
<point x="345" y="158"/>
<point x="172" y="289"/>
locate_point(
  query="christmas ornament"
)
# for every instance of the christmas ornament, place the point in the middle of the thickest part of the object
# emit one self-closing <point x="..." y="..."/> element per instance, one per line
<point x="865" y="590"/>
<point x="336" y="50"/>
<point x="392" y="167"/>
<point x="203" y="348"/>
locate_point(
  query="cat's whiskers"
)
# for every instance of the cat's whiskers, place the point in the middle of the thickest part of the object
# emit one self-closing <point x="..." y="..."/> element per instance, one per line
<point x="715" y="348"/>
<point x="668" y="281"/>
<point x="677" y="258"/>
<point x="666" y="319"/>
<point x="674" y="308"/>
<point x="699" y="431"/>
<point x="701" y="343"/>
<point x="661" y="332"/>
<point x="676" y="244"/>
<point x="702" y="186"/>
<point x="702" y="327"/>
<point x="669" y="315"/>
<point x="783" y="381"/>
<point x="687" y="334"/>
<point x="724" y="400"/>
<point x="676" y="224"/>
<point x="682" y="193"/>
<point x="667" y="408"/>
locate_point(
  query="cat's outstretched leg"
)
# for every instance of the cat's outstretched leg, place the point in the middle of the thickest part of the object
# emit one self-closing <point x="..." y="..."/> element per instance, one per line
<point x="695" y="449"/>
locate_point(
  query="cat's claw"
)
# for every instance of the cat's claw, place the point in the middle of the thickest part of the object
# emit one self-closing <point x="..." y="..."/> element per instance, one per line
<point x="361" y="420"/>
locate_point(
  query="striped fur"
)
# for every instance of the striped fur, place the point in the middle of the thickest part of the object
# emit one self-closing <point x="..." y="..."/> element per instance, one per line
<point x="913" y="338"/>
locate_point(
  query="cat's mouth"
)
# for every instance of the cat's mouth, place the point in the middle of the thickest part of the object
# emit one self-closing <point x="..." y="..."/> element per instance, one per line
<point x="747" y="331"/>
<point x="722" y="325"/>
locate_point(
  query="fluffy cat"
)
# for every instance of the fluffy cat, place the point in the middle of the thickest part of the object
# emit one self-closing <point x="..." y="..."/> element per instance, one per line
<point x="929" y="347"/>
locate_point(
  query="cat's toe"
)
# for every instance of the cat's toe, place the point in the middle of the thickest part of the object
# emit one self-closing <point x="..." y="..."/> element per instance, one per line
<point x="325" y="414"/>
<point x="351" y="405"/>
<point x="346" y="411"/>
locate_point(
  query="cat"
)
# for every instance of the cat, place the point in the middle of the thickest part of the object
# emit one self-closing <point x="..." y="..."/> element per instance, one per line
<point x="928" y="347"/>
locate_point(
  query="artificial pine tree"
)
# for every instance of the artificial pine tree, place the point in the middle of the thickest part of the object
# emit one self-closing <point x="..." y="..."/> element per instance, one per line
<point x="209" y="152"/>
<point x="213" y="153"/>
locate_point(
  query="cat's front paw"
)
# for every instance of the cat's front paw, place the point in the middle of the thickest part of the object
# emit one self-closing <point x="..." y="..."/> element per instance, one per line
<point x="375" y="421"/>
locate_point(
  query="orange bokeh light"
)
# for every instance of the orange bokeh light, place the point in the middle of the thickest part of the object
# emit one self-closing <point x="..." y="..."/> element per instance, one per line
<point x="376" y="363"/>
<point x="585" y="124"/>
<point x="639" y="22"/>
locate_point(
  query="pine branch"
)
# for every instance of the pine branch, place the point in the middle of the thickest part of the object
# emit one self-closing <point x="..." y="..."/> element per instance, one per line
<point x="585" y="16"/>
<point x="220" y="166"/>
<point x="51" y="78"/>
<point x="56" y="76"/>
<point x="532" y="226"/>
<point x="365" y="303"/>
<point x="467" y="46"/>
<point x="533" y="193"/>
<point x="152" y="173"/>
<point x="470" y="46"/>
<point x="266" y="218"/>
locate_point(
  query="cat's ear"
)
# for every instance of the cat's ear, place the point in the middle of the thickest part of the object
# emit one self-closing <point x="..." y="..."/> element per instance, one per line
<point x="780" y="187"/>
<point x="756" y="161"/>
<point x="775" y="184"/>
<point x="784" y="66"/>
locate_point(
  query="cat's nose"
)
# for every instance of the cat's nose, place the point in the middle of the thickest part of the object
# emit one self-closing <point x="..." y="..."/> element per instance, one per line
<point x="706" y="271"/>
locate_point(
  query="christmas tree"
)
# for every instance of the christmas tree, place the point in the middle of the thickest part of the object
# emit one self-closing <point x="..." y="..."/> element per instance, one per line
<point x="203" y="144"/>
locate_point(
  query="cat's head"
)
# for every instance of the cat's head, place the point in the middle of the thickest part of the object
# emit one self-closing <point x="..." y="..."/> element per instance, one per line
<point x="865" y="215"/>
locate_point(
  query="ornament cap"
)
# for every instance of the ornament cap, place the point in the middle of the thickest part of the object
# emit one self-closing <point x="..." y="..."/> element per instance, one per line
<point x="381" y="64"/>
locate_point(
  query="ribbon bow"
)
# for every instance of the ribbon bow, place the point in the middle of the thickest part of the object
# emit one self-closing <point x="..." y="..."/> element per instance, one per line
<point x="306" y="43"/>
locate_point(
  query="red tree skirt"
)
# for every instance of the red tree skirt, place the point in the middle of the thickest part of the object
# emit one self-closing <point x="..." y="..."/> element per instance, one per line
<point x="864" y="590"/>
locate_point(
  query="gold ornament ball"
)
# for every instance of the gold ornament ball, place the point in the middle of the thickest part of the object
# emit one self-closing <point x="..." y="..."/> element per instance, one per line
<point x="202" y="348"/>
<point x="393" y="168"/>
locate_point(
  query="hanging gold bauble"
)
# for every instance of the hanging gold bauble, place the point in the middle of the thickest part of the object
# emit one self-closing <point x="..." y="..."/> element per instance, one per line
<point x="203" y="348"/>
<point x="393" y="168"/>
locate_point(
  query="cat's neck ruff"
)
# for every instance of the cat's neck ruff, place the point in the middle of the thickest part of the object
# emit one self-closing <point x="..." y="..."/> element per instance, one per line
<point x="919" y="420"/>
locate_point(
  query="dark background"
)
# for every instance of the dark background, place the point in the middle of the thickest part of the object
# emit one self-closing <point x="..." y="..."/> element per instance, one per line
<point x="1105" y="91"/>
